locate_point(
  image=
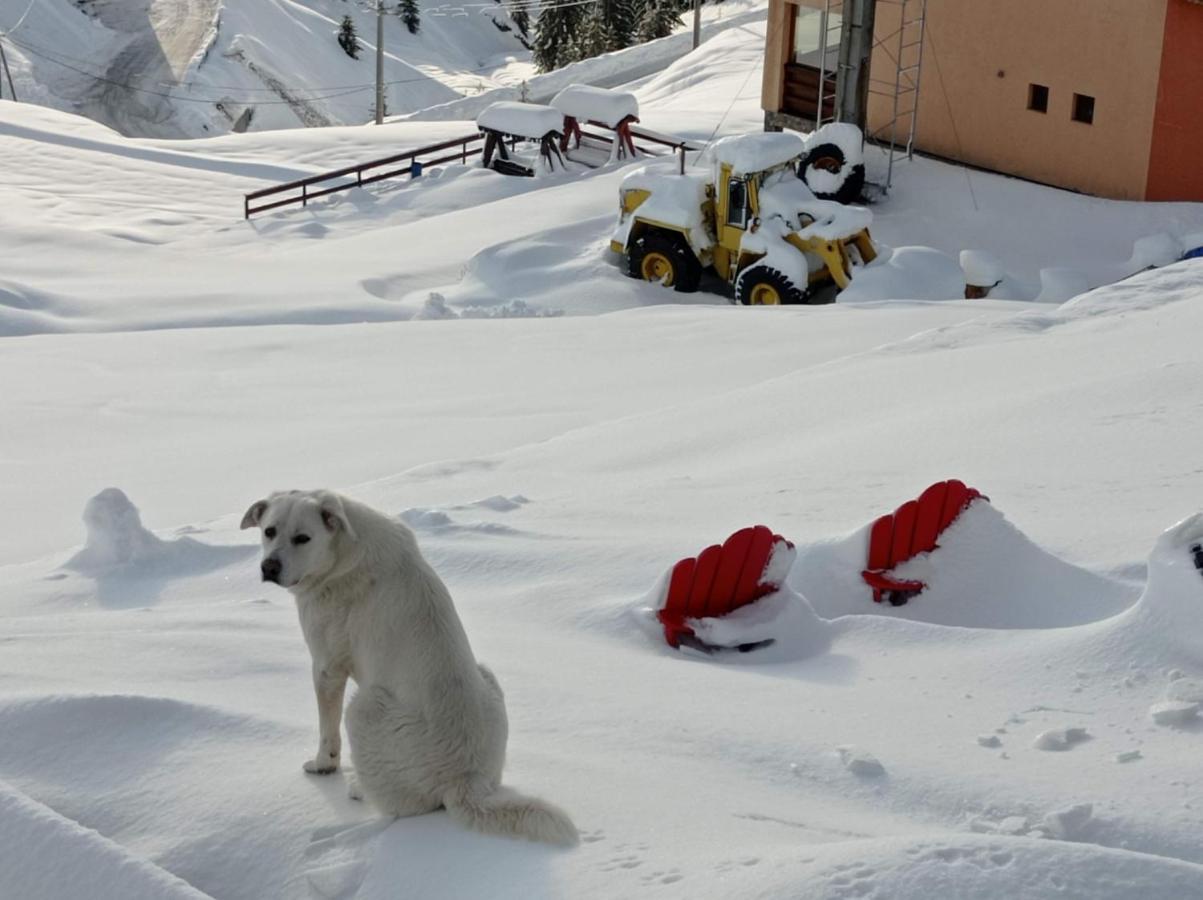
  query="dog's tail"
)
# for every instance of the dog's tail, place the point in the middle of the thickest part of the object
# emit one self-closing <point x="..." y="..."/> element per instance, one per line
<point x="503" y="811"/>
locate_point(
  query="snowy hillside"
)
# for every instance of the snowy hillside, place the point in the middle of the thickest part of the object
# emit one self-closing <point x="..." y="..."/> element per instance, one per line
<point x="1027" y="727"/>
<point x="179" y="68"/>
<point x="191" y="68"/>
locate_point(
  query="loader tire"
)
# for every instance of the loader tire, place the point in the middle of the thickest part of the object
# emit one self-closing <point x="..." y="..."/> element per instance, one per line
<point x="661" y="259"/>
<point x="762" y="286"/>
<point x="830" y="158"/>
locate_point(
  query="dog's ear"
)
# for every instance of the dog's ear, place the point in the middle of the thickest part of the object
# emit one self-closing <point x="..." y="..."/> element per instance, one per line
<point x="334" y="516"/>
<point x="253" y="515"/>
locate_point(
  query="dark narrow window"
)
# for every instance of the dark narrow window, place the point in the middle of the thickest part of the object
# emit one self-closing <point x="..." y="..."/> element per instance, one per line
<point x="737" y="203"/>
<point x="1084" y="109"/>
<point x="1038" y="98"/>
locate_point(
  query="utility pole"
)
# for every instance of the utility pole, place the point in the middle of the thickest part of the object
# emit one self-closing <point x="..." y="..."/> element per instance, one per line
<point x="379" y="62"/>
<point x="697" y="23"/>
<point x="4" y="61"/>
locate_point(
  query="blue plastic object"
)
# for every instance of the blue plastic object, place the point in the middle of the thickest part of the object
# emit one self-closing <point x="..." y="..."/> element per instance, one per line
<point x="1197" y="253"/>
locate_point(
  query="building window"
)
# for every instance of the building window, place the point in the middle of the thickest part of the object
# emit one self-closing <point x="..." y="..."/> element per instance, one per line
<point x="1038" y="98"/>
<point x="1084" y="109"/>
<point x="815" y="31"/>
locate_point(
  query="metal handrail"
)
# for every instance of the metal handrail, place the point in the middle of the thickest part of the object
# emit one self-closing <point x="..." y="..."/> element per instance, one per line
<point x="303" y="184"/>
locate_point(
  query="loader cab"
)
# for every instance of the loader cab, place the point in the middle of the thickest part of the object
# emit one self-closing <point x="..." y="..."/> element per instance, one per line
<point x="737" y="203"/>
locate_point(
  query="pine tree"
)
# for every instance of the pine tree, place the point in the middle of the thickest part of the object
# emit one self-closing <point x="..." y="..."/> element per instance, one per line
<point x="621" y="18"/>
<point x="347" y="39"/>
<point x="659" y="19"/>
<point x="594" y="35"/>
<point x="408" y="11"/>
<point x="521" y="18"/>
<point x="555" y="36"/>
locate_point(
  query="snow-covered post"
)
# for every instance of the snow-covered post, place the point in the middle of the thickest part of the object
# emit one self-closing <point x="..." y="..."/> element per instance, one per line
<point x="379" y="62"/>
<point x="983" y="271"/>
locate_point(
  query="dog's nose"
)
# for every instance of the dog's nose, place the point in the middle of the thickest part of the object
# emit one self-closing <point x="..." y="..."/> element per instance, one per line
<point x="271" y="570"/>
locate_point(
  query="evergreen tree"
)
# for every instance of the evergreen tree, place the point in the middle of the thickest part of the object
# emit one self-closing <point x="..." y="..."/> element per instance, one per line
<point x="555" y="36"/>
<point x="408" y="11"/>
<point x="660" y="17"/>
<point x="621" y="18"/>
<point x="521" y="18"/>
<point x="594" y="37"/>
<point x="347" y="39"/>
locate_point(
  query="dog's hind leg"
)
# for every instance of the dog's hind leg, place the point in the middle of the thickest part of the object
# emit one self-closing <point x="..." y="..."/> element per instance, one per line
<point x="388" y="749"/>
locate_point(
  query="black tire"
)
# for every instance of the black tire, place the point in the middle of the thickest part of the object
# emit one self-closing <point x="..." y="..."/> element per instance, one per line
<point x="831" y="158"/>
<point x="686" y="271"/>
<point x="756" y="277"/>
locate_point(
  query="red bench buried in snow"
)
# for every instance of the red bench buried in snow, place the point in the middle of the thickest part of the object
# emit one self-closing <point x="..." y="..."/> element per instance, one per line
<point x="913" y="528"/>
<point x="723" y="578"/>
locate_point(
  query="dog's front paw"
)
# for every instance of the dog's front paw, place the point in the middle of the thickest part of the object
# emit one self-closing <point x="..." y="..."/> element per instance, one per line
<point x="324" y="764"/>
<point x="354" y="789"/>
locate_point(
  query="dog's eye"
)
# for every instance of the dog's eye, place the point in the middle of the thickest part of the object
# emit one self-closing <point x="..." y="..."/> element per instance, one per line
<point x="301" y="539"/>
<point x="269" y="532"/>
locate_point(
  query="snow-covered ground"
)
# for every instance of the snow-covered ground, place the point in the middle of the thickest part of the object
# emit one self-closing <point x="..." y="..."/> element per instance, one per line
<point x="192" y="68"/>
<point x="1027" y="727"/>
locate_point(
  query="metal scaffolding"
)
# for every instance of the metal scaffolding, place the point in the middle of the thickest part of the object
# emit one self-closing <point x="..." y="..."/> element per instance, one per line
<point x="828" y="30"/>
<point x="904" y="47"/>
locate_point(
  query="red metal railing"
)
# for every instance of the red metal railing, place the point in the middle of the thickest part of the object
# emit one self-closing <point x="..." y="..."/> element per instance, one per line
<point x="302" y="191"/>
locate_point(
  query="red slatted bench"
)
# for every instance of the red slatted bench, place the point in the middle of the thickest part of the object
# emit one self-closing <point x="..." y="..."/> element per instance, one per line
<point x="913" y="528"/>
<point x="719" y="580"/>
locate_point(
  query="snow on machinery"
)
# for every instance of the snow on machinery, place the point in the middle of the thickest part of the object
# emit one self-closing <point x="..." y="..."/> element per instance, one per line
<point x="750" y="217"/>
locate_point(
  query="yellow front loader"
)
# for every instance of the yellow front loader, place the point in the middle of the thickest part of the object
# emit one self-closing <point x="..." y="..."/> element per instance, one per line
<point x="747" y="216"/>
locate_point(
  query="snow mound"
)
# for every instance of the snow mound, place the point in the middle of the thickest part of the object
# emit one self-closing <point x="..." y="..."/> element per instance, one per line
<point x="1174" y="712"/>
<point x="116" y="536"/>
<point x="980" y="867"/>
<point x="984" y="573"/>
<point x="784" y="617"/>
<point x="860" y="762"/>
<point x="1154" y="251"/>
<point x="1070" y="823"/>
<point x="981" y="268"/>
<point x="1059" y="740"/>
<point x="166" y="779"/>
<point x="1164" y="623"/>
<point x="909" y="273"/>
<point x="47" y="856"/>
<point x="119" y="545"/>
<point x="1059" y="284"/>
<point x="438" y="522"/>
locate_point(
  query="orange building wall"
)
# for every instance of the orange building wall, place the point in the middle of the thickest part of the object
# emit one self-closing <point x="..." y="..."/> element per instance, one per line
<point x="981" y="55"/>
<point x="1176" y="158"/>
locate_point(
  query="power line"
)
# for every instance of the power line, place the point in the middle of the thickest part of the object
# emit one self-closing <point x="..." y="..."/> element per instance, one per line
<point x="21" y="20"/>
<point x="329" y="92"/>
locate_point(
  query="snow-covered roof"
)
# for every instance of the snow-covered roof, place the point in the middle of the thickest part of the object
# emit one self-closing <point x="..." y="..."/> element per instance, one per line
<point x="523" y="119"/>
<point x="595" y="104"/>
<point x="748" y="153"/>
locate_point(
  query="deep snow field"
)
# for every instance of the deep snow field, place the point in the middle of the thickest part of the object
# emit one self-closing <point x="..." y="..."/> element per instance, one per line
<point x="462" y="351"/>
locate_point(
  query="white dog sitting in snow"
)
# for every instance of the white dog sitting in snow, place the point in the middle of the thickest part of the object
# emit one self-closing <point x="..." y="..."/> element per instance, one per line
<point x="427" y="726"/>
